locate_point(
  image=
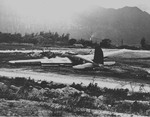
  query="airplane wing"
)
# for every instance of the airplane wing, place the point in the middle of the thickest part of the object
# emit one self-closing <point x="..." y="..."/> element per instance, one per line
<point x="116" y="52"/>
<point x="126" y="53"/>
<point x="89" y="60"/>
<point x="26" y="62"/>
<point x="83" y="66"/>
<point x="81" y="59"/>
<point x="106" y="54"/>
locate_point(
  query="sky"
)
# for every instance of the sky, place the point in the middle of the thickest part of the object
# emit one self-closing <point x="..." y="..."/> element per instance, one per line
<point x="76" y="3"/>
<point x="54" y="11"/>
<point x="65" y="8"/>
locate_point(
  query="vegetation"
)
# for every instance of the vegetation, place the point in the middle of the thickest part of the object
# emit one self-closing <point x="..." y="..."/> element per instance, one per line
<point x="42" y="38"/>
<point x="55" y="39"/>
<point x="59" y="99"/>
<point x="72" y="41"/>
<point x="52" y="98"/>
<point x="106" y="43"/>
<point x="144" y="44"/>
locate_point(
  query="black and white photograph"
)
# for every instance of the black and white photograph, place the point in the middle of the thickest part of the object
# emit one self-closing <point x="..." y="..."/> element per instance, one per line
<point x="74" y="58"/>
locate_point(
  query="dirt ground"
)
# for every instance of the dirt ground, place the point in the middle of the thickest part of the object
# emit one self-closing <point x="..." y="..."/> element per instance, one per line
<point x="131" y="71"/>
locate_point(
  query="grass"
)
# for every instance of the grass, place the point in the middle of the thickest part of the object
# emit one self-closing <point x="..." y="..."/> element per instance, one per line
<point x="13" y="46"/>
<point x="36" y="96"/>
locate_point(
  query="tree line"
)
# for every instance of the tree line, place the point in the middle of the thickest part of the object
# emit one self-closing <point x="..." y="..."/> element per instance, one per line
<point x="41" y="38"/>
<point x="144" y="44"/>
<point x="107" y="43"/>
<point x="53" y="38"/>
<point x="48" y="38"/>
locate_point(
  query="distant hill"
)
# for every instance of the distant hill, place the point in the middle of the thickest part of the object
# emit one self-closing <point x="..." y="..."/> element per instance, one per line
<point x="129" y="24"/>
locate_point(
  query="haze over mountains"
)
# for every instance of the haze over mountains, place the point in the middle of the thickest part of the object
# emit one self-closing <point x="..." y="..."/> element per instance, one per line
<point x="129" y="24"/>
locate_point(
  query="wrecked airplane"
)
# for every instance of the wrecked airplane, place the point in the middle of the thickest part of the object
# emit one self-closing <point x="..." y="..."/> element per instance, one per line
<point x="69" y="60"/>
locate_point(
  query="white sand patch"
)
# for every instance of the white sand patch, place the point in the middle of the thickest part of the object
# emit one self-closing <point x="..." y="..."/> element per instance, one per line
<point x="69" y="79"/>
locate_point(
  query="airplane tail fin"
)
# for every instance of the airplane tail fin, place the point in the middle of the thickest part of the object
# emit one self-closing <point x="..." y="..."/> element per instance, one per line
<point x="98" y="55"/>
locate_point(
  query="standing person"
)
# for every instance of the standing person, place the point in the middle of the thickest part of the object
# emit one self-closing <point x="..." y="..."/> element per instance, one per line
<point x="98" y="55"/>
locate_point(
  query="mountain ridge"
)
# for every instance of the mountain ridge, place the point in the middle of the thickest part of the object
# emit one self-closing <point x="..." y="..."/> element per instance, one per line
<point x="129" y="24"/>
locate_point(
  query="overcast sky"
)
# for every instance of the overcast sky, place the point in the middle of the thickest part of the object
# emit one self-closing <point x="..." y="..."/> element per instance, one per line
<point x="104" y="3"/>
<point x="26" y="6"/>
<point x="64" y="8"/>
<point x="54" y="11"/>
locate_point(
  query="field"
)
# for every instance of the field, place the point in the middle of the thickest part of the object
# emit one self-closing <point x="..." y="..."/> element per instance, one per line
<point x="131" y="69"/>
<point x="129" y="76"/>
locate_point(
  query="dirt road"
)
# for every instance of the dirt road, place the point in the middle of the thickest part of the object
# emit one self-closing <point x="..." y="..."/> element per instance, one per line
<point x="70" y="78"/>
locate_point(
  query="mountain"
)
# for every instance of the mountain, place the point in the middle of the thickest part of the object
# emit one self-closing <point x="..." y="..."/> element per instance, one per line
<point x="129" y="24"/>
